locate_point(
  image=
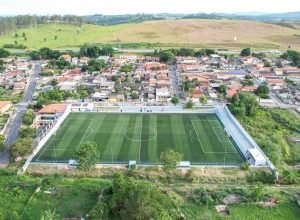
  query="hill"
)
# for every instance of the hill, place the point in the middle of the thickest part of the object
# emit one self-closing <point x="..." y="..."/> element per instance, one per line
<point x="163" y="33"/>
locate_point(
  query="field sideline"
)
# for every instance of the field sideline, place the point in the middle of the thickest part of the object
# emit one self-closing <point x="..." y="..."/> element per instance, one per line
<point x="142" y="137"/>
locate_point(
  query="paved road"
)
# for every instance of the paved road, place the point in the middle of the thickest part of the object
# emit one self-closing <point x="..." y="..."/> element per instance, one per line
<point x="175" y="78"/>
<point x="20" y="109"/>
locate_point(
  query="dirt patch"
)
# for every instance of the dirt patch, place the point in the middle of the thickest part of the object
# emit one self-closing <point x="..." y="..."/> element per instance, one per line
<point x="230" y="199"/>
<point x="222" y="209"/>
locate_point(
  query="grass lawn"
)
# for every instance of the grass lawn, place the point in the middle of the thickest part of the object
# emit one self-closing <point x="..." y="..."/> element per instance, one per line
<point x="142" y="137"/>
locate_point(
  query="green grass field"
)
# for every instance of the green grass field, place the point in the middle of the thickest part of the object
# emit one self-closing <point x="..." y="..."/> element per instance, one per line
<point x="202" y="33"/>
<point x="142" y="137"/>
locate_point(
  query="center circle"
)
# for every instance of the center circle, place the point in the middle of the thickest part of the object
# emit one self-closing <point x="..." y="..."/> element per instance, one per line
<point x="135" y="133"/>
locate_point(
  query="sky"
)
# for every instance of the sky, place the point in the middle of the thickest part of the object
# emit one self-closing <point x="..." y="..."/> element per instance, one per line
<point x="110" y="7"/>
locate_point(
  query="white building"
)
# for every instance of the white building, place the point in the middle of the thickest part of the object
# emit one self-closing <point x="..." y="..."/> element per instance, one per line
<point x="256" y="157"/>
<point x="163" y="94"/>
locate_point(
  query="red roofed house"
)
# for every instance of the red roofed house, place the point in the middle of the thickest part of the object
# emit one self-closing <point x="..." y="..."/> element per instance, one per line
<point x="49" y="113"/>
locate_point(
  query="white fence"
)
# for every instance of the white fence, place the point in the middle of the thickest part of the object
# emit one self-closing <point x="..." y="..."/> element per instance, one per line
<point x="239" y="134"/>
<point x="45" y="139"/>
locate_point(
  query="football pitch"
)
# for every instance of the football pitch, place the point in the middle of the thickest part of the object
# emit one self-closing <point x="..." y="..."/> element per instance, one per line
<point x="121" y="137"/>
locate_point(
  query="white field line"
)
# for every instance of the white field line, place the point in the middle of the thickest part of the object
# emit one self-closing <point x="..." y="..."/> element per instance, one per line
<point x="82" y="138"/>
<point x="197" y="136"/>
<point x="141" y="138"/>
<point x="213" y="128"/>
<point x="209" y="152"/>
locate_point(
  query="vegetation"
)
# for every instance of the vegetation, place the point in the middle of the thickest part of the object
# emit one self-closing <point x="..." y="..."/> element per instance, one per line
<point x="20" y="148"/>
<point x="28" y="117"/>
<point x="189" y="104"/>
<point x="52" y="96"/>
<point x="170" y="158"/>
<point x="243" y="104"/>
<point x="86" y="155"/>
<point x="203" y="99"/>
<point x="4" y="53"/>
<point x="174" y="100"/>
<point x="274" y="130"/>
<point x="131" y="199"/>
<point x="262" y="91"/>
<point x="95" y="51"/>
<point x="2" y="144"/>
<point x="293" y="56"/>
<point x="245" y="52"/>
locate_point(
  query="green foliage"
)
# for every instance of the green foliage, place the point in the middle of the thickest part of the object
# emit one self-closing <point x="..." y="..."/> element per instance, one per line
<point x="189" y="104"/>
<point x="243" y="104"/>
<point x="203" y="99"/>
<point x="263" y="176"/>
<point x="44" y="53"/>
<point x="46" y="73"/>
<point x="28" y="117"/>
<point x="245" y="52"/>
<point x="222" y="89"/>
<point x="86" y="155"/>
<point x="293" y="56"/>
<point x="50" y="215"/>
<point x="134" y="95"/>
<point x="245" y="166"/>
<point x="130" y="199"/>
<point x="95" y="51"/>
<point x="59" y="64"/>
<point x="14" y="46"/>
<point x="248" y="82"/>
<point x="2" y="145"/>
<point x="170" y="158"/>
<point x="95" y="65"/>
<point x="84" y="91"/>
<point x="53" y="82"/>
<point x="262" y="91"/>
<point x="27" y="132"/>
<point x="271" y="129"/>
<point x="166" y="56"/>
<point x="127" y="68"/>
<point x="55" y="95"/>
<point x="20" y="148"/>
<point x="174" y="100"/>
<point x="4" y="53"/>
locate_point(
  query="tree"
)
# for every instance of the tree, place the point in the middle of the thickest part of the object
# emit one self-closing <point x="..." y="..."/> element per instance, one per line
<point x="166" y="56"/>
<point x="86" y="155"/>
<point x="35" y="55"/>
<point x="243" y="104"/>
<point x="262" y="91"/>
<point x="245" y="52"/>
<point x="134" y="95"/>
<point x="27" y="132"/>
<point x="53" y="82"/>
<point x="55" y="37"/>
<point x="132" y="199"/>
<point x="189" y="104"/>
<point x="50" y="215"/>
<point x="20" y="148"/>
<point x="222" y="89"/>
<point x="170" y="158"/>
<point x="203" y="99"/>
<point x="2" y="144"/>
<point x="174" y="100"/>
<point x="4" y="53"/>
<point x="127" y="68"/>
<point x="28" y="117"/>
